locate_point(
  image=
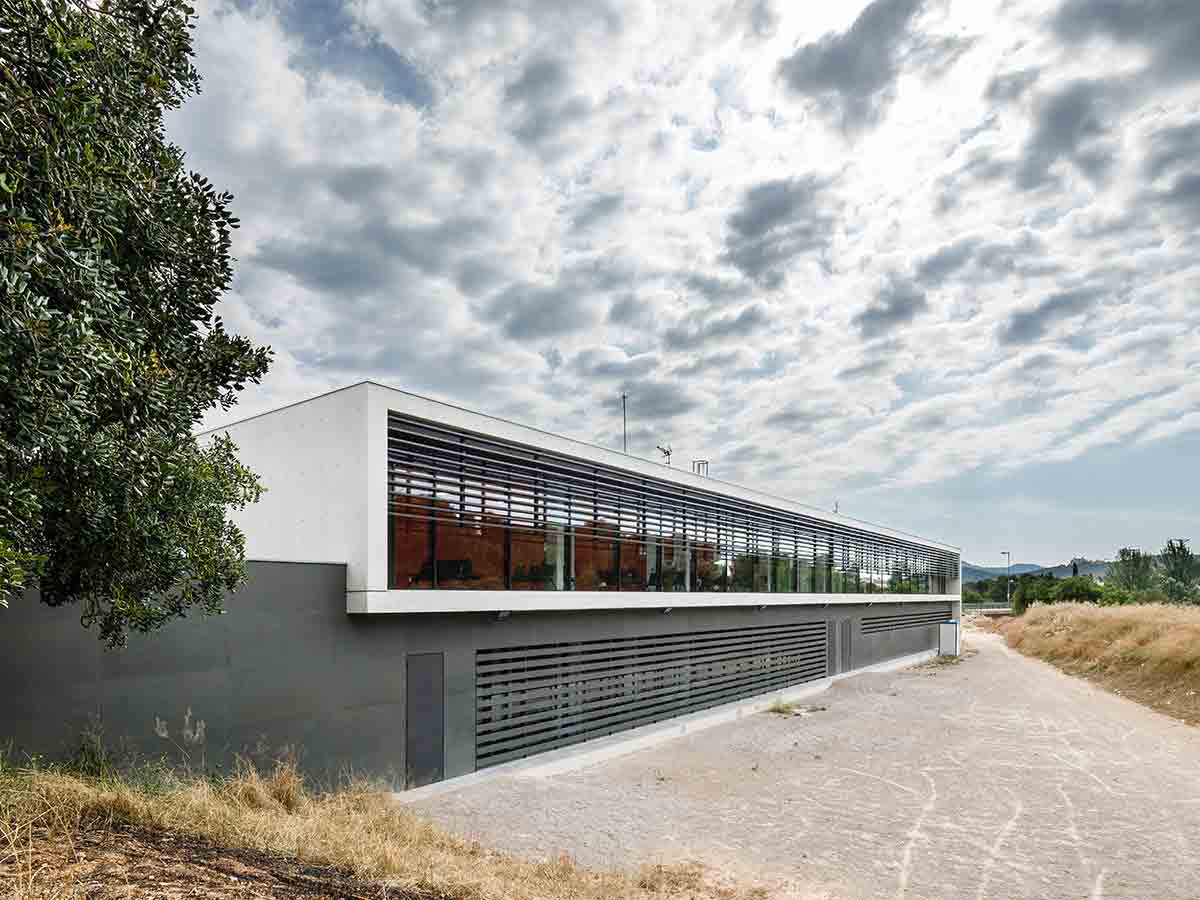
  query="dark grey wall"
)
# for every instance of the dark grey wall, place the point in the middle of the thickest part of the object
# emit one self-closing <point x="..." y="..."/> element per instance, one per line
<point x="287" y="668"/>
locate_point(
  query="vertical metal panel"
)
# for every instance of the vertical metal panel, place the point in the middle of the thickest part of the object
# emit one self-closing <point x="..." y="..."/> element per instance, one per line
<point x="846" y="659"/>
<point x="425" y="719"/>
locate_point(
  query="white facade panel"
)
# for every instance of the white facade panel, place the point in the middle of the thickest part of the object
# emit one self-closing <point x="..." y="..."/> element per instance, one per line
<point x="435" y="601"/>
<point x="313" y="459"/>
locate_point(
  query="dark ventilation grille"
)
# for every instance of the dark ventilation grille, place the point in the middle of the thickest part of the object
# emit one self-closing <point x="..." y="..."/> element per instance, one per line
<point x="535" y="698"/>
<point x="876" y="624"/>
<point x="442" y="475"/>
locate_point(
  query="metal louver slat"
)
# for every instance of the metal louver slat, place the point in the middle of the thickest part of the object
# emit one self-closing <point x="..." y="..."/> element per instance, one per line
<point x="893" y="622"/>
<point x="559" y="694"/>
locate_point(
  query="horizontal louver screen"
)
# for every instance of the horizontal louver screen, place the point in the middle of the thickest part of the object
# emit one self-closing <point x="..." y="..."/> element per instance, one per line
<point x="535" y="698"/>
<point x="875" y="624"/>
<point x="441" y="474"/>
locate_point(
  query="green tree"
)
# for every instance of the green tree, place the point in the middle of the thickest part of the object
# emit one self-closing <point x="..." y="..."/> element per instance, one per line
<point x="112" y="257"/>
<point x="1179" y="572"/>
<point x="1132" y="570"/>
<point x="1078" y="589"/>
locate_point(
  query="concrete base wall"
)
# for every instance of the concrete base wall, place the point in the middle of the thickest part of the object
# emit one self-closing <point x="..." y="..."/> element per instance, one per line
<point x="287" y="669"/>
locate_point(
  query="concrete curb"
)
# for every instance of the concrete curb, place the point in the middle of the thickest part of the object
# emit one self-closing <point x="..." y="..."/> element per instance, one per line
<point x="598" y="750"/>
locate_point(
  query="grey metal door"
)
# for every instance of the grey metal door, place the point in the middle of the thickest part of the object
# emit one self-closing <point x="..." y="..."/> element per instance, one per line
<point x="424" y="727"/>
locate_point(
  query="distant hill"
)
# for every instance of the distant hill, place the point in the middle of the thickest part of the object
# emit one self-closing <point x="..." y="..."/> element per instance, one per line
<point x="972" y="573"/>
<point x="1097" y="568"/>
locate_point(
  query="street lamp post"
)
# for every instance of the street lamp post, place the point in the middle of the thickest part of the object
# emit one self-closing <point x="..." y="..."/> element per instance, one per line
<point x="1008" y="580"/>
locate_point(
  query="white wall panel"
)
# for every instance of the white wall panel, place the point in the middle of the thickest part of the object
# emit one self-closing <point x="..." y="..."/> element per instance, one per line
<point x="312" y="458"/>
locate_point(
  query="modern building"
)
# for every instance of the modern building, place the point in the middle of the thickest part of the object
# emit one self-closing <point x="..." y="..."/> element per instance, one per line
<point x="508" y="591"/>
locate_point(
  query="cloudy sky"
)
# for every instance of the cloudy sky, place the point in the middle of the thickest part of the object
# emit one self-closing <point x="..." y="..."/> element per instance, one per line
<point x="934" y="260"/>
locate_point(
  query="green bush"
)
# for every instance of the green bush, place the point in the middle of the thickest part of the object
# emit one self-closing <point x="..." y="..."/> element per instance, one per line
<point x="1078" y="589"/>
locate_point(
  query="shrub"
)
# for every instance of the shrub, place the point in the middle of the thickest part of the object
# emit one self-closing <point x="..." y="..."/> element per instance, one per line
<point x="1078" y="589"/>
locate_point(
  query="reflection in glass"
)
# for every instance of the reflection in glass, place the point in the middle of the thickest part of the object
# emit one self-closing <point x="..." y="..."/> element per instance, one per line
<point x="433" y="544"/>
<point x="470" y="556"/>
<point x="673" y="577"/>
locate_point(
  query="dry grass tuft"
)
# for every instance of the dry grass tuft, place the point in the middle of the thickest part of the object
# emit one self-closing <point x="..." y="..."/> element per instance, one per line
<point x="781" y="708"/>
<point x="359" y="830"/>
<point x="1150" y="652"/>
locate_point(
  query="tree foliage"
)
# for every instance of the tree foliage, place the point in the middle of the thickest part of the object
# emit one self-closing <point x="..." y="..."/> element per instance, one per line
<point x="1132" y="570"/>
<point x="112" y="258"/>
<point x="1179" y="571"/>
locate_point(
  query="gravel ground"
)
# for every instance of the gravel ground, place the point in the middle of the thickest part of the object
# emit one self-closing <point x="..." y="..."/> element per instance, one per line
<point x="998" y="777"/>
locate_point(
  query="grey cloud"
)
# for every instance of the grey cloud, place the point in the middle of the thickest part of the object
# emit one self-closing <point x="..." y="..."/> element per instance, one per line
<point x="553" y="357"/>
<point x="540" y="104"/>
<point x="1173" y="162"/>
<point x="368" y="257"/>
<point x="1030" y="325"/>
<point x="865" y="370"/>
<point x="629" y="310"/>
<point x="898" y="303"/>
<point x="1168" y="29"/>
<point x="714" y="289"/>
<point x="852" y="76"/>
<point x="1184" y="194"/>
<point x="608" y="362"/>
<point x="770" y="364"/>
<point x="971" y="256"/>
<point x="466" y="366"/>
<point x="457" y="16"/>
<point x="687" y="336"/>
<point x="776" y="222"/>
<point x="572" y="302"/>
<point x="1009" y="86"/>
<point x="542" y="79"/>
<point x="652" y="399"/>
<point x="426" y="247"/>
<point x="596" y="210"/>
<point x="475" y="277"/>
<point x="529" y="311"/>
<point x="321" y="267"/>
<point x="940" y="265"/>
<point x="1071" y="124"/>
<point x="1173" y="149"/>
<point x="798" y="415"/>
<point x="982" y="166"/>
<point x="713" y="363"/>
<point x="356" y="184"/>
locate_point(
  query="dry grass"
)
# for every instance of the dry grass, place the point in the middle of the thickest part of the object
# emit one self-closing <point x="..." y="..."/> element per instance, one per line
<point x="356" y="830"/>
<point x="1149" y="653"/>
<point x="781" y="707"/>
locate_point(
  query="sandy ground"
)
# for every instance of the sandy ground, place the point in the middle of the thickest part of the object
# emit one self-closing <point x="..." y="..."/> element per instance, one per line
<point x="998" y="777"/>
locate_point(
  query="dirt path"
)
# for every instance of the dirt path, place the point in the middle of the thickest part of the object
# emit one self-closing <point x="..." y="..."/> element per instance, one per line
<point x="998" y="778"/>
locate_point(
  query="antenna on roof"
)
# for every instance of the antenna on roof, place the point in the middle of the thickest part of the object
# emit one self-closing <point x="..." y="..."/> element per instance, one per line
<point x="624" y="425"/>
<point x="835" y="506"/>
<point x="665" y="451"/>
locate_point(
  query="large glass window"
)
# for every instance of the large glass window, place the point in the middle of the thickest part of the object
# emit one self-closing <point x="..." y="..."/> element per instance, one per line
<point x="539" y="559"/>
<point x="472" y="512"/>
<point x="470" y="556"/>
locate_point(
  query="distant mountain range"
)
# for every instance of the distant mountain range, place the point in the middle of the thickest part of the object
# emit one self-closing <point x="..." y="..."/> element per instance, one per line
<point x="972" y="573"/>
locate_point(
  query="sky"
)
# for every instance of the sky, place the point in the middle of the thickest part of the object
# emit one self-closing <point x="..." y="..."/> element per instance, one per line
<point x="933" y="261"/>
